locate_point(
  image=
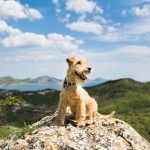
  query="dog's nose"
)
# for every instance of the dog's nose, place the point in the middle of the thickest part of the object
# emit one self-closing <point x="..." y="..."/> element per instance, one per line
<point x="89" y="68"/>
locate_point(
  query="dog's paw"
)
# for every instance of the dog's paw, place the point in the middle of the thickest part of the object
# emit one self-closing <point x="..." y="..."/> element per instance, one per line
<point x="81" y="124"/>
<point x="88" y="122"/>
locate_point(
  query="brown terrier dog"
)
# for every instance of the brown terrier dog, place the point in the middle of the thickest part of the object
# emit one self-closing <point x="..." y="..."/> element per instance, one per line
<point x="81" y="105"/>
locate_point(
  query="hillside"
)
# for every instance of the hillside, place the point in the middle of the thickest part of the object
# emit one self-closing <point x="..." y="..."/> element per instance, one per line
<point x="130" y="99"/>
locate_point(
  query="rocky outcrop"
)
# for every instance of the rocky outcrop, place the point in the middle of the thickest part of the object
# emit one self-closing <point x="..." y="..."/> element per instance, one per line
<point x="111" y="134"/>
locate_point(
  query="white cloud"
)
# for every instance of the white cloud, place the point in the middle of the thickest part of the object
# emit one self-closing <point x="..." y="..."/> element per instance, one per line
<point x="138" y="27"/>
<point x="132" y="52"/>
<point x="34" y="55"/>
<point x="120" y="54"/>
<point x="55" y="1"/>
<point x="51" y="41"/>
<point x="17" y="38"/>
<point x="125" y="61"/>
<point x="136" y="31"/>
<point x="86" y="27"/>
<point x="24" y="39"/>
<point x="14" y="9"/>
<point x="4" y="27"/>
<point x="142" y="12"/>
<point x="111" y="29"/>
<point x="100" y="19"/>
<point x="82" y="17"/>
<point x="65" y="19"/>
<point x="83" y="6"/>
<point x="58" y="9"/>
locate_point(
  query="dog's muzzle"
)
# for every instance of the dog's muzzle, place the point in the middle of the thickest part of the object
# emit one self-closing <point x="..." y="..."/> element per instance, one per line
<point x="83" y="74"/>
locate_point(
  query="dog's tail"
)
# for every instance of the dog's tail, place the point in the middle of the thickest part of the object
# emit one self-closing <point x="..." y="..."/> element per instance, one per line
<point x="106" y="116"/>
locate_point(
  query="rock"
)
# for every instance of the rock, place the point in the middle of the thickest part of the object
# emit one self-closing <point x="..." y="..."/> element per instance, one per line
<point x="111" y="134"/>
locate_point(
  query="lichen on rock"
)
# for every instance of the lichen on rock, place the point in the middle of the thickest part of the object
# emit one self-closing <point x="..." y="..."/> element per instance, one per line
<point x="110" y="134"/>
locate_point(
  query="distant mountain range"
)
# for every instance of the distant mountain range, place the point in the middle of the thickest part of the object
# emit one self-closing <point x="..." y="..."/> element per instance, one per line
<point x="42" y="79"/>
<point x="39" y="83"/>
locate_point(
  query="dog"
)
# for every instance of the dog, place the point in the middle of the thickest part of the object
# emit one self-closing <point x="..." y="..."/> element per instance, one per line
<point x="82" y="107"/>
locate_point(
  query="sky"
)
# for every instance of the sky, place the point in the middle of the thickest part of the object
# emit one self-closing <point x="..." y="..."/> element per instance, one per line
<point x="36" y="37"/>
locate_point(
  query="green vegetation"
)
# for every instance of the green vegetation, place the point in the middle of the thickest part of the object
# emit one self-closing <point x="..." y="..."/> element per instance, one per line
<point x="49" y="99"/>
<point x="130" y="100"/>
<point x="6" y="130"/>
<point x="9" y="103"/>
<point x="24" y="130"/>
<point x="10" y="122"/>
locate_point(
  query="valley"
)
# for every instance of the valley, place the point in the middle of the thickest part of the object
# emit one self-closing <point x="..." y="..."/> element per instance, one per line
<point x="129" y="98"/>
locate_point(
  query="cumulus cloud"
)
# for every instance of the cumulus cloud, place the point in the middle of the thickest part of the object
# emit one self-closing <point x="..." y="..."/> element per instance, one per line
<point x="17" y="38"/>
<point x="141" y="11"/>
<point x="4" y="27"/>
<point x="83" y="6"/>
<point x="14" y="9"/>
<point x="86" y="27"/>
<point x="51" y="41"/>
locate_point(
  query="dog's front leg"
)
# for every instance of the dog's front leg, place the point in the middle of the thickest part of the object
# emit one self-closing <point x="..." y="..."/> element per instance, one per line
<point x="61" y="113"/>
<point x="81" y="113"/>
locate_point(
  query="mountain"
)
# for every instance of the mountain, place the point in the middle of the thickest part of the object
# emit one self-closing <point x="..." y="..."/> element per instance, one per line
<point x="129" y="98"/>
<point x="45" y="79"/>
<point x="39" y="83"/>
<point x="42" y="79"/>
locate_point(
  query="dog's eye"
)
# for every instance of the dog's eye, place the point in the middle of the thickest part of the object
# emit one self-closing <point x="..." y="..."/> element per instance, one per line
<point x="79" y="62"/>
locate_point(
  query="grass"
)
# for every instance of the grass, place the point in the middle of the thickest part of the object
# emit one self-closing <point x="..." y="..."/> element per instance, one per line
<point x="24" y="130"/>
<point x="6" y="130"/>
<point x="11" y="122"/>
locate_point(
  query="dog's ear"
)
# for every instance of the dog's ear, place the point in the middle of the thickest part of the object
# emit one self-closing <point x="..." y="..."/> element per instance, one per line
<point x="70" y="60"/>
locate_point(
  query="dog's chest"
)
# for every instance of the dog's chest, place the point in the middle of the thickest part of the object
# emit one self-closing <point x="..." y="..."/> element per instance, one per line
<point x="72" y="99"/>
<point x="72" y="96"/>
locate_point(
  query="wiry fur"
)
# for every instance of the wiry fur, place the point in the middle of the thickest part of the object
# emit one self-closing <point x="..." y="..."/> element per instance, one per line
<point x="83" y="107"/>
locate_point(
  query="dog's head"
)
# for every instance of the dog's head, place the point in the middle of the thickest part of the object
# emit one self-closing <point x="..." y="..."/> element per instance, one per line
<point x="79" y="68"/>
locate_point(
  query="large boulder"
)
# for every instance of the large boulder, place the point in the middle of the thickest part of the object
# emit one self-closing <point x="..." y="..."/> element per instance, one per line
<point x="111" y="134"/>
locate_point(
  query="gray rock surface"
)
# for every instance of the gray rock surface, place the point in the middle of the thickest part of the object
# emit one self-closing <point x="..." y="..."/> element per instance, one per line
<point x="111" y="134"/>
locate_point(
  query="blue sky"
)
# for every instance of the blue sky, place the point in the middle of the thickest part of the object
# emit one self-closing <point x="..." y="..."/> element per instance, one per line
<point x="37" y="36"/>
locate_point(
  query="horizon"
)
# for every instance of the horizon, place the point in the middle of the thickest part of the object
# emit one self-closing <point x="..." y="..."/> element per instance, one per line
<point x="38" y="36"/>
<point x="64" y="78"/>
